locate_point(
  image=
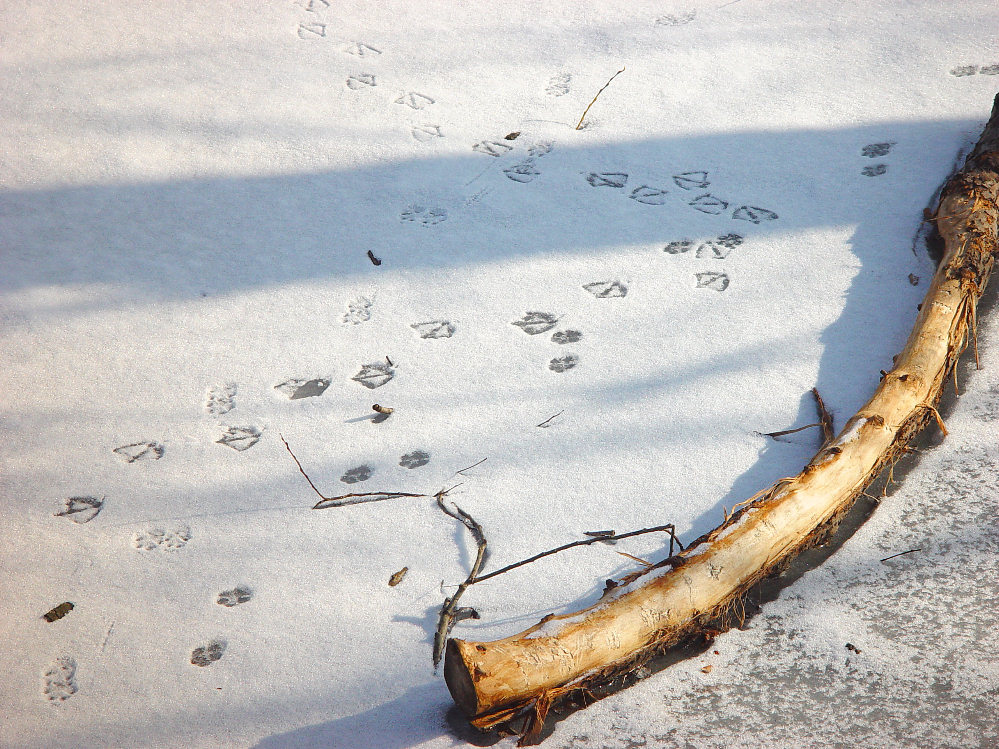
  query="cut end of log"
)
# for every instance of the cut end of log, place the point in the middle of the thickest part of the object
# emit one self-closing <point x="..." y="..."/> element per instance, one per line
<point x="458" y="679"/>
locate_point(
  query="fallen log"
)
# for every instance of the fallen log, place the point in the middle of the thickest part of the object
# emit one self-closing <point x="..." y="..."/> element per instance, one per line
<point x="501" y="681"/>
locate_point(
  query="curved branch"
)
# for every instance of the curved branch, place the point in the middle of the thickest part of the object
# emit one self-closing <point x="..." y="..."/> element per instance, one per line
<point x="494" y="682"/>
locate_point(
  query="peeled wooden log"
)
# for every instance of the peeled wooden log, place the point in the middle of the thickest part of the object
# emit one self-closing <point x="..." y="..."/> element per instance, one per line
<point x="496" y="682"/>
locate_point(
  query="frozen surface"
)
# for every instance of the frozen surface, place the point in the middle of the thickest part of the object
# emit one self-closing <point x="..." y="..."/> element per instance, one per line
<point x="223" y="224"/>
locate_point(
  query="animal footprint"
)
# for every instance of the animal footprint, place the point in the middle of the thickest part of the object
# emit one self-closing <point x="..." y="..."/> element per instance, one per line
<point x="434" y="329"/>
<point x="712" y="250"/>
<point x="709" y="204"/>
<point x="355" y="475"/>
<point x="678" y="247"/>
<point x="874" y="150"/>
<point x="81" y="509"/>
<point x="965" y="70"/>
<point x="566" y="336"/>
<point x="59" y="680"/>
<point x="563" y="363"/>
<point x="240" y="438"/>
<point x="524" y="172"/>
<point x="533" y="323"/>
<point x="424" y="133"/>
<point x="358" y="311"/>
<point x="157" y="539"/>
<point x="648" y="195"/>
<point x="691" y="180"/>
<point x="606" y="289"/>
<point x="492" y="148"/>
<point x="712" y="280"/>
<point x="415" y="459"/>
<point x="676" y="19"/>
<point x="607" y="179"/>
<point x="875" y="170"/>
<point x="540" y="149"/>
<point x="140" y="451"/>
<point x="206" y="655"/>
<point x="754" y="214"/>
<point x="719" y="248"/>
<point x="361" y="80"/>
<point x="360" y="49"/>
<point x="425" y="216"/>
<point x="296" y="389"/>
<point x="221" y="399"/>
<point x="414" y="100"/>
<point x="234" y="597"/>
<point x="558" y="85"/>
<point x="374" y="375"/>
<point x="311" y="30"/>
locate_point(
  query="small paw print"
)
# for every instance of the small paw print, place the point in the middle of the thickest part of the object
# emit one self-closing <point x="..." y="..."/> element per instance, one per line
<point x="208" y="654"/>
<point x="355" y="475"/>
<point x="239" y="594"/>
<point x="59" y="680"/>
<point x="679" y="246"/>
<point x="163" y="540"/>
<point x="566" y="336"/>
<point x="874" y="171"/>
<point x="415" y="459"/>
<point x="563" y="363"/>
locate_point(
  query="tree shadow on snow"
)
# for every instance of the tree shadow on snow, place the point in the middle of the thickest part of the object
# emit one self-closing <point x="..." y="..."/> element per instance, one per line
<point x="433" y="216"/>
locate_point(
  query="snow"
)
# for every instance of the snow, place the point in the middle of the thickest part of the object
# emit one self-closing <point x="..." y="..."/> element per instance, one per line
<point x="188" y="199"/>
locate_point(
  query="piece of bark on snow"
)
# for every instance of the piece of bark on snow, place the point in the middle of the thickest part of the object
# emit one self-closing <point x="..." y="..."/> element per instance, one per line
<point x="495" y="682"/>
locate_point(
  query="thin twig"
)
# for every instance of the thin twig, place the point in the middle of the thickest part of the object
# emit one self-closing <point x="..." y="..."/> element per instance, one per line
<point x="462" y="471"/>
<point x="789" y="431"/>
<point x="580" y="123"/>
<point x="900" y="554"/>
<point x="632" y="557"/>
<point x="936" y="413"/>
<point x="447" y="617"/>
<point x="300" y="469"/>
<point x="825" y="418"/>
<point x="974" y="330"/>
<point x="545" y="422"/>
<point x="971" y="319"/>
<point x="889" y="480"/>
<point x="586" y="542"/>
<point x="355" y="499"/>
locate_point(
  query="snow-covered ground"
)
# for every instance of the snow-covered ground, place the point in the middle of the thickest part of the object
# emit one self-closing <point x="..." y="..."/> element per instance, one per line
<point x="221" y="224"/>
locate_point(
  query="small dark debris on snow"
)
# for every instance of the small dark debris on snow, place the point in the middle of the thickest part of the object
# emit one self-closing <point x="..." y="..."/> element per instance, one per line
<point x="397" y="577"/>
<point x="58" y="612"/>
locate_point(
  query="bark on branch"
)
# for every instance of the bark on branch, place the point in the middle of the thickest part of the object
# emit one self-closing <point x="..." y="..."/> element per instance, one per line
<point x="495" y="682"/>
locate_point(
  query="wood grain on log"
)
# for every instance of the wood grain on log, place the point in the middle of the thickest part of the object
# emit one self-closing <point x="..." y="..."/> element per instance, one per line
<point x="494" y="682"/>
